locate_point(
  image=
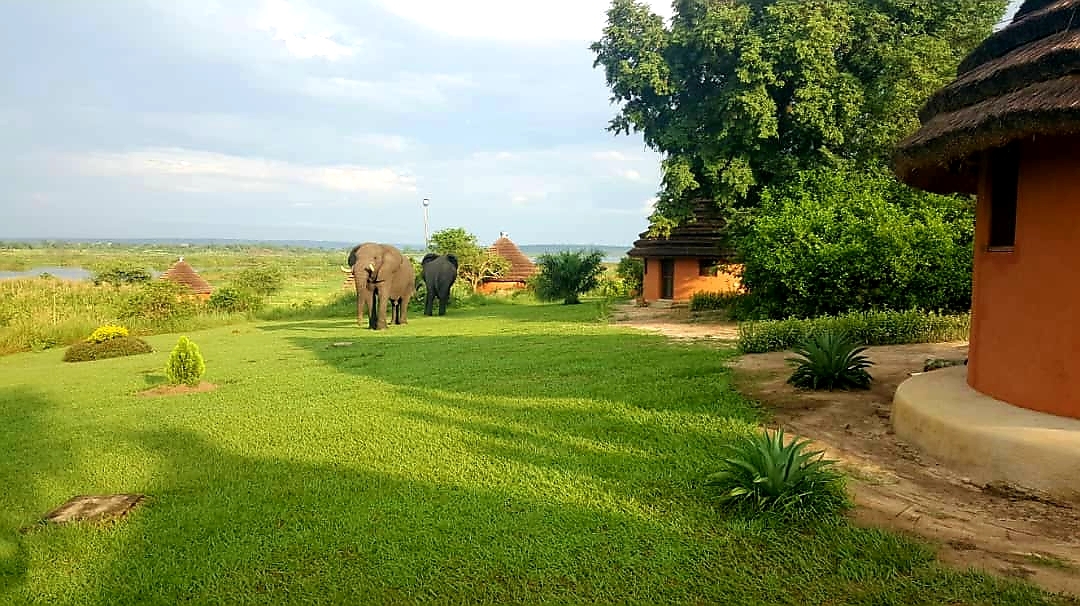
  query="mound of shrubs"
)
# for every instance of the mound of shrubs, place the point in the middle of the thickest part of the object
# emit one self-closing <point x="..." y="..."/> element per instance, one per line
<point x="107" y="342"/>
<point x="863" y="328"/>
<point x="715" y="301"/>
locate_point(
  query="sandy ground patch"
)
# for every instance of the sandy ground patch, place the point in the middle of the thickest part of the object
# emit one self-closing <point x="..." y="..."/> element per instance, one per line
<point x="993" y="528"/>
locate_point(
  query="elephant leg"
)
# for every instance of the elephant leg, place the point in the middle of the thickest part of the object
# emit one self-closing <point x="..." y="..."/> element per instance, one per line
<point x="403" y="310"/>
<point x="380" y="320"/>
<point x="429" y="298"/>
<point x="442" y="303"/>
<point x="361" y="305"/>
<point x="373" y="306"/>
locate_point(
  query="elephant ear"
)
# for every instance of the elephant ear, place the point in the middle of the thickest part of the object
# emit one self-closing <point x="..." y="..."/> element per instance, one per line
<point x="453" y="260"/>
<point x="428" y="258"/>
<point x="352" y="255"/>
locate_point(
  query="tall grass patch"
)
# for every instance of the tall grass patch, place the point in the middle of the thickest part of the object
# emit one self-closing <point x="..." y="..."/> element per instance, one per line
<point x="864" y="328"/>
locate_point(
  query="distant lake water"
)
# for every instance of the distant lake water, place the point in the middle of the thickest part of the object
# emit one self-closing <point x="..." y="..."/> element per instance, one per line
<point x="64" y="273"/>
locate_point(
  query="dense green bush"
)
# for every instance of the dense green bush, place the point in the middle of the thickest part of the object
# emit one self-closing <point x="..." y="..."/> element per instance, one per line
<point x="567" y="275"/>
<point x="612" y="286"/>
<point x="121" y="273"/>
<point x="232" y="299"/>
<point x="159" y="300"/>
<point x="836" y="241"/>
<point x="110" y="348"/>
<point x="829" y="360"/>
<point x="763" y="473"/>
<point x="262" y="280"/>
<point x="713" y="301"/>
<point x="632" y="272"/>
<point x="864" y="328"/>
<point x="186" y="365"/>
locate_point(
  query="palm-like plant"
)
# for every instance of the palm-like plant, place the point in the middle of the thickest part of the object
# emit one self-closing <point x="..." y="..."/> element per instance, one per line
<point x="830" y="361"/>
<point x="765" y="473"/>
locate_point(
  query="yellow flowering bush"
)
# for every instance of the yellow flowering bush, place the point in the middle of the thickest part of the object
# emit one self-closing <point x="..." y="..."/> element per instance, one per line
<point x="106" y="333"/>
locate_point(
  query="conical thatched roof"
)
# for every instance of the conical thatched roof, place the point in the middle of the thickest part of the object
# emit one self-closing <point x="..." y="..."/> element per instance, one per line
<point x="521" y="268"/>
<point x="183" y="273"/>
<point x="1024" y="80"/>
<point x="698" y="237"/>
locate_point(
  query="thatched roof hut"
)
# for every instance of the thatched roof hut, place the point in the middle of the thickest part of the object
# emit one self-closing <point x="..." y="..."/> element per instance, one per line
<point x="692" y="258"/>
<point x="1008" y="130"/>
<point x="521" y="268"/>
<point x="183" y="273"/>
<point x="1022" y="81"/>
<point x="699" y="237"/>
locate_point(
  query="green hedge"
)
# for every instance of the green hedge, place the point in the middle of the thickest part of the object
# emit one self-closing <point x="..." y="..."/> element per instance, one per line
<point x="866" y="328"/>
<point x="713" y="301"/>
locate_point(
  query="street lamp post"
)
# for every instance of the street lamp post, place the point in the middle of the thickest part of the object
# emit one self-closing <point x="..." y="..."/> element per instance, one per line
<point x="426" y="204"/>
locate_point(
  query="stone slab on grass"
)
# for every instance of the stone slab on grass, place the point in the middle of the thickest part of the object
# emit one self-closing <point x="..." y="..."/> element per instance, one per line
<point x="93" y="508"/>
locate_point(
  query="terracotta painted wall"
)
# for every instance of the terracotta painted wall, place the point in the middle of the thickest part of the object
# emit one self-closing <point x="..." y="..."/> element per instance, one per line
<point x="1025" y="342"/>
<point x="687" y="280"/>
<point x="488" y="288"/>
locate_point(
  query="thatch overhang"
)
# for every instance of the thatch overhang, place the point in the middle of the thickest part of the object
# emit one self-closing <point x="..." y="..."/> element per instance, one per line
<point x="521" y="268"/>
<point x="701" y="237"/>
<point x="1020" y="82"/>
<point x="183" y="273"/>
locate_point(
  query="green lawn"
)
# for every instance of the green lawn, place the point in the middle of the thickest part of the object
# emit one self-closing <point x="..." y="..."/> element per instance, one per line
<point x="509" y="453"/>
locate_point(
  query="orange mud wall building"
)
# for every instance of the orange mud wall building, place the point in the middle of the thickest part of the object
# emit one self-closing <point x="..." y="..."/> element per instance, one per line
<point x="678" y="278"/>
<point x="1008" y="130"/>
<point x="1025" y="334"/>
<point x="689" y="260"/>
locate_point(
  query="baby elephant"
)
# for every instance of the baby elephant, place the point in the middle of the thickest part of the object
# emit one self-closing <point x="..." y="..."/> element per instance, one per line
<point x="439" y="273"/>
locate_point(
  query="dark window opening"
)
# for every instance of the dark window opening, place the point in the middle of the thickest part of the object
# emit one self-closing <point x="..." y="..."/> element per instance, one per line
<point x="708" y="267"/>
<point x="1005" y="178"/>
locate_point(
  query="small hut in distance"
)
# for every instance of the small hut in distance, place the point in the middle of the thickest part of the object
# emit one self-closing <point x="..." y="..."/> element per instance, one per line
<point x="521" y="268"/>
<point x="184" y="274"/>
<point x="691" y="259"/>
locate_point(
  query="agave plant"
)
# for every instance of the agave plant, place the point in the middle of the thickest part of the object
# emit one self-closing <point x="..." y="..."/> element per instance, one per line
<point x="767" y="472"/>
<point x="830" y="361"/>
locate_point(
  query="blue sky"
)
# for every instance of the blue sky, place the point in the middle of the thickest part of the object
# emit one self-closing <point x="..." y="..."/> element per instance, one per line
<point x="331" y="119"/>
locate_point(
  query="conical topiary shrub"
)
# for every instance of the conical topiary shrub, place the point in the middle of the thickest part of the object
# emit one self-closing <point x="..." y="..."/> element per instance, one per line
<point x="186" y="365"/>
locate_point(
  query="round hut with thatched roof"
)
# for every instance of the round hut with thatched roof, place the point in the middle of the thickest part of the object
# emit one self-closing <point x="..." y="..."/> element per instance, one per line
<point x="690" y="259"/>
<point x="521" y="267"/>
<point x="184" y="274"/>
<point x="1008" y="131"/>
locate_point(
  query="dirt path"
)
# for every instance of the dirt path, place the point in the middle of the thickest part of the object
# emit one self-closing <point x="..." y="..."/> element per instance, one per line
<point x="993" y="528"/>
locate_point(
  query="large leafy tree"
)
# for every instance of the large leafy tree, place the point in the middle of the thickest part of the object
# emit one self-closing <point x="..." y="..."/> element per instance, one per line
<point x="742" y="94"/>
<point x="475" y="263"/>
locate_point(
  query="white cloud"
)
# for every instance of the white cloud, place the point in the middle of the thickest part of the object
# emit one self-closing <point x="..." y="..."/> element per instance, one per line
<point x="548" y="21"/>
<point x="305" y="32"/>
<point x="630" y="174"/>
<point x="609" y="156"/>
<point x="246" y="30"/>
<point x="403" y="92"/>
<point x="203" y="172"/>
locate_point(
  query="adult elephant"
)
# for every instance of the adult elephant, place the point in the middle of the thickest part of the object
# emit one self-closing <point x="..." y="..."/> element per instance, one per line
<point x="439" y="272"/>
<point x="383" y="277"/>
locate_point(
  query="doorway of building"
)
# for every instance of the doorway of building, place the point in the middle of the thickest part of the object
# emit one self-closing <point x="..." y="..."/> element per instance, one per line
<point x="667" y="279"/>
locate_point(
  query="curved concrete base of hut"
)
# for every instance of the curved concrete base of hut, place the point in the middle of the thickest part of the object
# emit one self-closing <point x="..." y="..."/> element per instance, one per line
<point x="987" y="439"/>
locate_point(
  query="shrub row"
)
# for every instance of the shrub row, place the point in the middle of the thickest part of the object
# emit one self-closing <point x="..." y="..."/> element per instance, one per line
<point x="714" y="301"/>
<point x="865" y="328"/>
